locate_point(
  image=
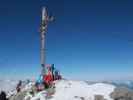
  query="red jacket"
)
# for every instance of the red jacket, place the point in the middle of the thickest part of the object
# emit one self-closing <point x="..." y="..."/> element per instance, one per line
<point x="48" y="78"/>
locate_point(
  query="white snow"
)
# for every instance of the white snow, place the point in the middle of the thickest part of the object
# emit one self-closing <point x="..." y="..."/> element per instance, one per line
<point x="40" y="96"/>
<point x="75" y="90"/>
<point x="28" y="86"/>
<point x="67" y="90"/>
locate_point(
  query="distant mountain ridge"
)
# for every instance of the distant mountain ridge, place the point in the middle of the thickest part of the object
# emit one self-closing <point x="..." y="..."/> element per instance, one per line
<point x="121" y="83"/>
<point x="118" y="83"/>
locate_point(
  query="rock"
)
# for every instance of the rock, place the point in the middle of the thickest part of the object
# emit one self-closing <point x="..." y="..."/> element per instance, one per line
<point x="50" y="92"/>
<point x="82" y="98"/>
<point x="122" y="94"/>
<point x="130" y="95"/>
<point x="99" y="97"/>
<point x="18" y="96"/>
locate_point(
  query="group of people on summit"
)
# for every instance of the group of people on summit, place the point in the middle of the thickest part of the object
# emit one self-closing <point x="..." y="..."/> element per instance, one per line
<point x="46" y="80"/>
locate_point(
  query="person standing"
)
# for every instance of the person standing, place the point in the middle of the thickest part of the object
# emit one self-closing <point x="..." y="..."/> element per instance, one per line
<point x="18" y="88"/>
<point x="52" y="70"/>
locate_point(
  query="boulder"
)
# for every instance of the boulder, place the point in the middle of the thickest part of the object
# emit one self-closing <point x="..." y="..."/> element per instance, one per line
<point x="122" y="93"/>
<point x="18" y="96"/>
<point x="99" y="97"/>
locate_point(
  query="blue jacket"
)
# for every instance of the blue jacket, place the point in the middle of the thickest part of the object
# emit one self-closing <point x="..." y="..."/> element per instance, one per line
<point x="40" y="79"/>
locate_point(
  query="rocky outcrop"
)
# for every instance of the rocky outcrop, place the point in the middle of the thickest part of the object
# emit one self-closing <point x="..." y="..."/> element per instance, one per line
<point x="99" y="97"/>
<point x="122" y="94"/>
<point x="18" y="96"/>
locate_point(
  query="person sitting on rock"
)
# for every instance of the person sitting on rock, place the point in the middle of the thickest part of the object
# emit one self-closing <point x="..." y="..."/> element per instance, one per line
<point x="52" y="70"/>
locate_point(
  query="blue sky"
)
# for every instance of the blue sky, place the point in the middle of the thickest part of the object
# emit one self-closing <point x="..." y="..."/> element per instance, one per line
<point x="89" y="39"/>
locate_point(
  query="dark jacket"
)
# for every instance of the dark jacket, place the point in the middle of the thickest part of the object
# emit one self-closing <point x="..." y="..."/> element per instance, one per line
<point x="3" y="96"/>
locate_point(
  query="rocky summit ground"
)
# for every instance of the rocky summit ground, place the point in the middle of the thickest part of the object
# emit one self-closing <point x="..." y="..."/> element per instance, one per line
<point x="73" y="90"/>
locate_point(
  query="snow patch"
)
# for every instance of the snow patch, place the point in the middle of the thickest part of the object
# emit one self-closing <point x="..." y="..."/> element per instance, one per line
<point x="73" y="90"/>
<point x="65" y="90"/>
